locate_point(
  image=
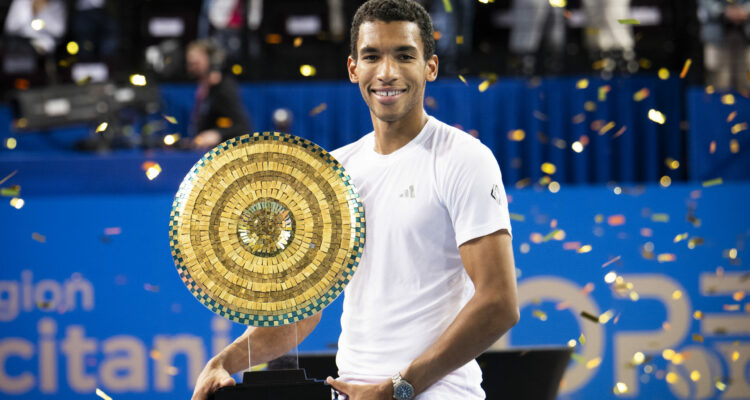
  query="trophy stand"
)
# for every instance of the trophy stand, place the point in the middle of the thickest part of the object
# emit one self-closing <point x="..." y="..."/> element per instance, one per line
<point x="281" y="379"/>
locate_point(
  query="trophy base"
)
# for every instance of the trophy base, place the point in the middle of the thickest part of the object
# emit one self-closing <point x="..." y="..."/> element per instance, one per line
<point x="273" y="385"/>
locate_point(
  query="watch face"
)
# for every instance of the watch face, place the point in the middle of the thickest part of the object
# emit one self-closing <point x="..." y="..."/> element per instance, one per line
<point x="403" y="391"/>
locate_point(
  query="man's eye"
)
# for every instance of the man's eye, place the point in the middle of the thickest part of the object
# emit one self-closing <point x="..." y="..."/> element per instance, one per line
<point x="405" y="57"/>
<point x="370" y="57"/>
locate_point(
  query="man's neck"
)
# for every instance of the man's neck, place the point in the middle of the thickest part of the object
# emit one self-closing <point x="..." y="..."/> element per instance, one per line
<point x="391" y="136"/>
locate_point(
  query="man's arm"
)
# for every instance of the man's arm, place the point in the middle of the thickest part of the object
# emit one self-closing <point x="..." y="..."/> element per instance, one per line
<point x="266" y="344"/>
<point x="491" y="312"/>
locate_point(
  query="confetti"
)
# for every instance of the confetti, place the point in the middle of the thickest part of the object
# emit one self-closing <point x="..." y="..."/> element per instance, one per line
<point x="541" y="315"/>
<point x="629" y="21"/>
<point x="550" y="235"/>
<point x="721" y="385"/>
<point x="582" y="339"/>
<point x="138" y="80"/>
<point x="558" y="3"/>
<point x="584" y="249"/>
<point x="638" y="358"/>
<point x="39" y="237"/>
<point x="318" y="109"/>
<point x="155" y="354"/>
<point x="589" y="316"/>
<point x="663" y="74"/>
<point x="517" y="217"/>
<point x="579" y="118"/>
<point x="607" y="128"/>
<point x="297" y="41"/>
<point x="116" y="230"/>
<point x="151" y="288"/>
<point x="589" y="106"/>
<point x="695" y="241"/>
<point x="171" y="370"/>
<point x="582" y="84"/>
<point x="448" y="6"/>
<point x="735" y="356"/>
<point x="616" y="220"/>
<point x="13" y="191"/>
<point x="738" y="296"/>
<point x="680" y="237"/>
<point x="656" y="116"/>
<point x="611" y="261"/>
<point x="540" y="115"/>
<point x="713" y="182"/>
<point x="101" y="394"/>
<point x="11" y="143"/>
<point x="459" y="39"/>
<point x="734" y="146"/>
<point x="516" y="135"/>
<point x="641" y="95"/>
<point x="603" y="90"/>
<point x="172" y="120"/>
<point x="17" y="203"/>
<point x="577" y="357"/>
<point x="712" y="147"/>
<point x="731" y="116"/>
<point x="102" y="127"/>
<point x="605" y="317"/>
<point x="571" y="245"/>
<point x="697" y="338"/>
<point x="672" y="377"/>
<point x="549" y="168"/>
<point x="727" y="99"/>
<point x="660" y="217"/>
<point x="620" y="388"/>
<point x="484" y="85"/>
<point x="430" y="102"/>
<point x="152" y="169"/>
<point x="463" y="80"/>
<point x="647" y="232"/>
<point x="307" y="70"/>
<point x="685" y="68"/>
<point x="588" y="288"/>
<point x="620" y="132"/>
<point x="731" y="307"/>
<point x="666" y="257"/>
<point x="593" y="363"/>
<point x="668" y="354"/>
<point x="737" y="128"/>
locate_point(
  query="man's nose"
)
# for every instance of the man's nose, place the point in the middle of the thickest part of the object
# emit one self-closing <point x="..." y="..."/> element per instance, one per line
<point x="388" y="70"/>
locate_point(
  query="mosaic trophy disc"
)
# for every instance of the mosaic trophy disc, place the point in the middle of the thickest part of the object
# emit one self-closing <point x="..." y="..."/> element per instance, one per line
<point x="266" y="229"/>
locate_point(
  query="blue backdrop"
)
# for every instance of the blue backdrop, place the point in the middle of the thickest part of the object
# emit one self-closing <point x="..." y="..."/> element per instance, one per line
<point x="90" y="297"/>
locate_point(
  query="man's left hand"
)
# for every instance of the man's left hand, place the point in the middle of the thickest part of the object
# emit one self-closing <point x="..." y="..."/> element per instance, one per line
<point x="380" y="391"/>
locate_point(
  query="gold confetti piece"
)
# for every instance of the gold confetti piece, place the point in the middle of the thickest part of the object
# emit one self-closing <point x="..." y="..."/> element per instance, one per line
<point x="721" y="385"/>
<point x="697" y="338"/>
<point x="656" y="116"/>
<point x="172" y="120"/>
<point x="737" y="128"/>
<point x="297" y="41"/>
<point x="712" y="147"/>
<point x="731" y="116"/>
<point x="582" y="84"/>
<point x="558" y="3"/>
<point x="307" y="70"/>
<point x="484" y="85"/>
<point x="39" y="237"/>
<point x="459" y="39"/>
<point x="616" y="220"/>
<point x="516" y="135"/>
<point x="666" y="257"/>
<point x="13" y="191"/>
<point x="603" y="90"/>
<point x="605" y="317"/>
<point x="572" y="343"/>
<point x="102" y="127"/>
<point x="731" y="253"/>
<point x="665" y="181"/>
<point x="735" y="356"/>
<point x="713" y="182"/>
<point x="590" y="317"/>
<point x="259" y="367"/>
<point x="680" y="237"/>
<point x="677" y="294"/>
<point x="273" y="38"/>
<point x="517" y="217"/>
<point x="577" y="146"/>
<point x="155" y="354"/>
<point x="638" y="358"/>
<point x="101" y="394"/>
<point x="728" y="99"/>
<point x="17" y="203"/>
<point x="738" y="296"/>
<point x="318" y="109"/>
<point x="237" y="69"/>
<point x="138" y="80"/>
<point x="734" y="146"/>
<point x="463" y="80"/>
<point x="584" y="249"/>
<point x="660" y="217"/>
<point x="620" y="388"/>
<point x="563" y="305"/>
<point x="685" y="68"/>
<point x="549" y="168"/>
<point x="695" y="241"/>
<point x="152" y="169"/>
<point x="663" y="74"/>
<point x="589" y="106"/>
<point x="541" y="315"/>
<point x="641" y="95"/>
<point x="171" y="370"/>
<point x="731" y="307"/>
<point x="710" y="89"/>
<point x="629" y="21"/>
<point x="611" y="261"/>
<point x="593" y="363"/>
<point x="11" y="143"/>
<point x="582" y="339"/>
<point x="606" y="128"/>
<point x="672" y="377"/>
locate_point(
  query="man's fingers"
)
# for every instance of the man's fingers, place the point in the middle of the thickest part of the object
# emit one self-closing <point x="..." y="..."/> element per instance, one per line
<point x="338" y="385"/>
<point x="229" y="381"/>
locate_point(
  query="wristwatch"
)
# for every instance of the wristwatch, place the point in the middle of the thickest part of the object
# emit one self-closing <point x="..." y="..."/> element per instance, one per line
<point x="402" y="390"/>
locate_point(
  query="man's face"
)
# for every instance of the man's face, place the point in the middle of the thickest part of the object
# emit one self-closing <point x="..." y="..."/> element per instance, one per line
<point x="197" y="62"/>
<point x="390" y="68"/>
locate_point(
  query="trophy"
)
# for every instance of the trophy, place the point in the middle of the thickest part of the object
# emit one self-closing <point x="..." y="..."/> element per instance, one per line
<point x="267" y="230"/>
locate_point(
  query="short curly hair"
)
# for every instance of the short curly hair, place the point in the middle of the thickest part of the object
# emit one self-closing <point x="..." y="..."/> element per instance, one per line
<point x="394" y="10"/>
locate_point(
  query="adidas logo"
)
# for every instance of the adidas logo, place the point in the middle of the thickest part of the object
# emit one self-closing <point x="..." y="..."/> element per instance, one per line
<point x="408" y="193"/>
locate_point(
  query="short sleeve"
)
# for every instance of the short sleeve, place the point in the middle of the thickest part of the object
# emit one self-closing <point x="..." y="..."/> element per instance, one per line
<point x="473" y="192"/>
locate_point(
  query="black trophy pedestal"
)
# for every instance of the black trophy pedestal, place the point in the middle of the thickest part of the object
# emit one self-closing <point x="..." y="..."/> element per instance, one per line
<point x="289" y="384"/>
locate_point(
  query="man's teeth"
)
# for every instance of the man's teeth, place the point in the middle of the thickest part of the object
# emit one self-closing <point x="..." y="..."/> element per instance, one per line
<point x="388" y="92"/>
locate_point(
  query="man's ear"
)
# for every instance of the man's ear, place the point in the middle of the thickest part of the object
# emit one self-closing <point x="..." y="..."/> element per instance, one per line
<point x="431" y="68"/>
<point x="351" y="67"/>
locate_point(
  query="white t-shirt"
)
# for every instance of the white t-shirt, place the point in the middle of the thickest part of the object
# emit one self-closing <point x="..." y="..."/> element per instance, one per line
<point x="421" y="202"/>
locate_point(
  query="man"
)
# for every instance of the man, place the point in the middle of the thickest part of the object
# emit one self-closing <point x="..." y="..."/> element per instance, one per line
<point x="725" y="32"/>
<point x="436" y="283"/>
<point x="218" y="114"/>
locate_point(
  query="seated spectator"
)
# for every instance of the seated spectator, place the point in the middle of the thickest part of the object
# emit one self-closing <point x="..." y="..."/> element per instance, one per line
<point x="726" y="39"/>
<point x="218" y="113"/>
<point x="42" y="22"/>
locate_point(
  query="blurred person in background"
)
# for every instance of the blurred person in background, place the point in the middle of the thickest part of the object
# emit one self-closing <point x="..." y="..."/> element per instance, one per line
<point x="218" y="113"/>
<point x="31" y="33"/>
<point x="606" y="38"/>
<point x="725" y="31"/>
<point x="455" y="27"/>
<point x="94" y="30"/>
<point x="533" y="19"/>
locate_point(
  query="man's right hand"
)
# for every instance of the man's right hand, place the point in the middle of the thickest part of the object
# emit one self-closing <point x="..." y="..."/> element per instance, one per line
<point x="213" y="377"/>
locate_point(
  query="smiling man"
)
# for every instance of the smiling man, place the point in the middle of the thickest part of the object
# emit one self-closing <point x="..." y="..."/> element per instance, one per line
<point x="436" y="283"/>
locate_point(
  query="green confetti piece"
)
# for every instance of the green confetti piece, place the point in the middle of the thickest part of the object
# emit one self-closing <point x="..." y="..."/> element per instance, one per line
<point x="517" y="217"/>
<point x="13" y="191"/>
<point x="713" y="182"/>
<point x="629" y="21"/>
<point x="448" y="6"/>
<point x="550" y="235"/>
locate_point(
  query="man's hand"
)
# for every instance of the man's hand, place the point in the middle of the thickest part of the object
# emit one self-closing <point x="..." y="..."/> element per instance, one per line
<point x="736" y="14"/>
<point x="207" y="139"/>
<point x="213" y="377"/>
<point x="381" y="391"/>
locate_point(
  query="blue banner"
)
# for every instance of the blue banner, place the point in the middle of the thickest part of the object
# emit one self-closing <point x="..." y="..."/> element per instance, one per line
<point x="647" y="283"/>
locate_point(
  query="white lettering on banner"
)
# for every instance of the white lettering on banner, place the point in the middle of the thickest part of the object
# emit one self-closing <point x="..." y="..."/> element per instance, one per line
<point x="123" y="369"/>
<point x="76" y="346"/>
<point x="47" y="295"/>
<point x="659" y="287"/>
<point x="17" y="347"/>
<point x="700" y="360"/>
<point x="47" y="329"/>
<point x="558" y="289"/>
